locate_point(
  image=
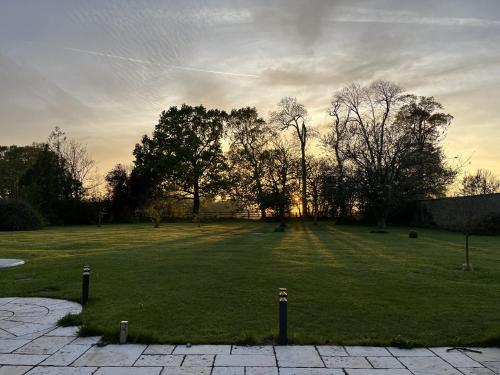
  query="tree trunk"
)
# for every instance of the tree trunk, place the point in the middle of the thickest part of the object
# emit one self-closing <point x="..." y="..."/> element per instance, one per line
<point x="381" y="221"/>
<point x="304" y="179"/>
<point x="196" y="199"/>
<point x="467" y="266"/>
<point x="262" y="212"/>
<point x="315" y="195"/>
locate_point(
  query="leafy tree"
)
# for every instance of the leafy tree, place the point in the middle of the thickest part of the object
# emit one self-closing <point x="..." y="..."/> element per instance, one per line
<point x="45" y="184"/>
<point x="291" y="114"/>
<point x="14" y="162"/>
<point x="185" y="153"/>
<point x="118" y="182"/>
<point x="280" y="167"/>
<point x="482" y="182"/>
<point x="250" y="137"/>
<point x="426" y="174"/>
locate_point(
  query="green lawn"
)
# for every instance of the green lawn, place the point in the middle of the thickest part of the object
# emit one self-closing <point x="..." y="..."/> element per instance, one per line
<point x="218" y="283"/>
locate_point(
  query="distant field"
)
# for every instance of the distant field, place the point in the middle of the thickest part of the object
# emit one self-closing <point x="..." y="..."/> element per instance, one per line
<point x="218" y="283"/>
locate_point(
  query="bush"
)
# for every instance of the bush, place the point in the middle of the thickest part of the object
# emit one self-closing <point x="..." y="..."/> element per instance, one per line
<point x="413" y="234"/>
<point x="76" y="212"/>
<point x="18" y="215"/>
<point x="489" y="225"/>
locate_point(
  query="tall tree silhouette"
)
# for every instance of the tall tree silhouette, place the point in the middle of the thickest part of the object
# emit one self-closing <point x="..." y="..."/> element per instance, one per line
<point x="185" y="153"/>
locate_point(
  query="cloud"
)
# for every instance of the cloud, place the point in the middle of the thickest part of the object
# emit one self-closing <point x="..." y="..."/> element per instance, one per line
<point x="108" y="68"/>
<point x="29" y="99"/>
<point x="365" y="15"/>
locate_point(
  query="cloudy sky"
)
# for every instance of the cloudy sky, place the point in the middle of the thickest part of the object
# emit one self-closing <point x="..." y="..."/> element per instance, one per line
<point x="104" y="69"/>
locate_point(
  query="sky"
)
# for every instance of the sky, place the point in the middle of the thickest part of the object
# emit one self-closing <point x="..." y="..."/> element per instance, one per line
<point x="103" y="70"/>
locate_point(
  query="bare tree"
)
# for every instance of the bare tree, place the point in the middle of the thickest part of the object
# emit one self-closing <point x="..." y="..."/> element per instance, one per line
<point x="376" y="144"/>
<point x="80" y="163"/>
<point x="317" y="170"/>
<point x="73" y="157"/>
<point x="291" y="114"/>
<point x="336" y="140"/>
<point x="280" y="167"/>
<point x="483" y="182"/>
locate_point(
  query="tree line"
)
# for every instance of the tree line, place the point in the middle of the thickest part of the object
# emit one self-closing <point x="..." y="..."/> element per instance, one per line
<point x="53" y="178"/>
<point x="382" y="150"/>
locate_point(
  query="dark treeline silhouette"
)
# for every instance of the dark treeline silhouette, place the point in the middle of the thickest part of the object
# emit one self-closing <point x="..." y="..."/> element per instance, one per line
<point x="45" y="183"/>
<point x="381" y="150"/>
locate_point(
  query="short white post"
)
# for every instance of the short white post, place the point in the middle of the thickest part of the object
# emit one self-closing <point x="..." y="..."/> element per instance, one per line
<point x="123" y="331"/>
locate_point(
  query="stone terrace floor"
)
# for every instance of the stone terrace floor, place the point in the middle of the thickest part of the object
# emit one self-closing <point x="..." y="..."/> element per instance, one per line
<point x="31" y="343"/>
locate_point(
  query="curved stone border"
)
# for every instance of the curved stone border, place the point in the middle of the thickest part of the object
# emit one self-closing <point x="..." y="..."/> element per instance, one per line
<point x="5" y="263"/>
<point x="32" y="317"/>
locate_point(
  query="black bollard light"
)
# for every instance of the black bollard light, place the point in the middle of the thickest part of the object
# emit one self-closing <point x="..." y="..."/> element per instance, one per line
<point x="85" y="285"/>
<point x="283" y="318"/>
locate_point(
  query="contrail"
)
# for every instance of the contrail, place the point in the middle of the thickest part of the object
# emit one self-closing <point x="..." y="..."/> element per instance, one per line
<point x="140" y="61"/>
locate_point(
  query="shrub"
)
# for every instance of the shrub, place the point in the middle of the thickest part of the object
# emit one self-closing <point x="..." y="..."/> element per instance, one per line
<point x="413" y="234"/>
<point x="18" y="215"/>
<point x="489" y="225"/>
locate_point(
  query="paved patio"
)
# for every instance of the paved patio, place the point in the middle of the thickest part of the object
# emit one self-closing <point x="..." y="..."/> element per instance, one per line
<point x="31" y="343"/>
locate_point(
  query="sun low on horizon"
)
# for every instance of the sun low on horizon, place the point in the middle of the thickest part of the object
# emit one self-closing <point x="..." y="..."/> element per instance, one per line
<point x="103" y="71"/>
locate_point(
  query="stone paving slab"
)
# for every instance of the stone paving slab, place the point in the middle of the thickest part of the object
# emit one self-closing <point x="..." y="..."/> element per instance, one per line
<point x="298" y="356"/>
<point x="228" y="371"/>
<point x="8" y="346"/>
<point x="53" y="370"/>
<point x="495" y="366"/>
<point x="21" y="359"/>
<point x="14" y="370"/>
<point x="159" y="360"/>
<point x="251" y="360"/>
<point x="66" y="355"/>
<point x="378" y="372"/>
<point x="159" y="349"/>
<point x="203" y="349"/>
<point x="261" y="371"/>
<point x="476" y="371"/>
<point x="264" y="350"/>
<point x="128" y="371"/>
<point x="198" y="360"/>
<point x="455" y="358"/>
<point x="44" y="345"/>
<point x="311" y="371"/>
<point x="31" y="343"/>
<point x="428" y="366"/>
<point x="346" y="362"/>
<point x="111" y="355"/>
<point x="385" y="362"/>
<point x="186" y="370"/>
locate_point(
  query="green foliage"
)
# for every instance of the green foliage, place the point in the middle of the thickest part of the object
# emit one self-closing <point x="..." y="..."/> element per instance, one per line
<point x="118" y="186"/>
<point x="14" y="162"/>
<point x="185" y="153"/>
<point x="402" y="343"/>
<point x="70" y="320"/>
<point x="47" y="182"/>
<point x="18" y="215"/>
<point x="413" y="234"/>
<point x="248" y="155"/>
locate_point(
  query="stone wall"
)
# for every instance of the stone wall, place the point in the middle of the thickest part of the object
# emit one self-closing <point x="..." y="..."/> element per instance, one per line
<point x="457" y="213"/>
